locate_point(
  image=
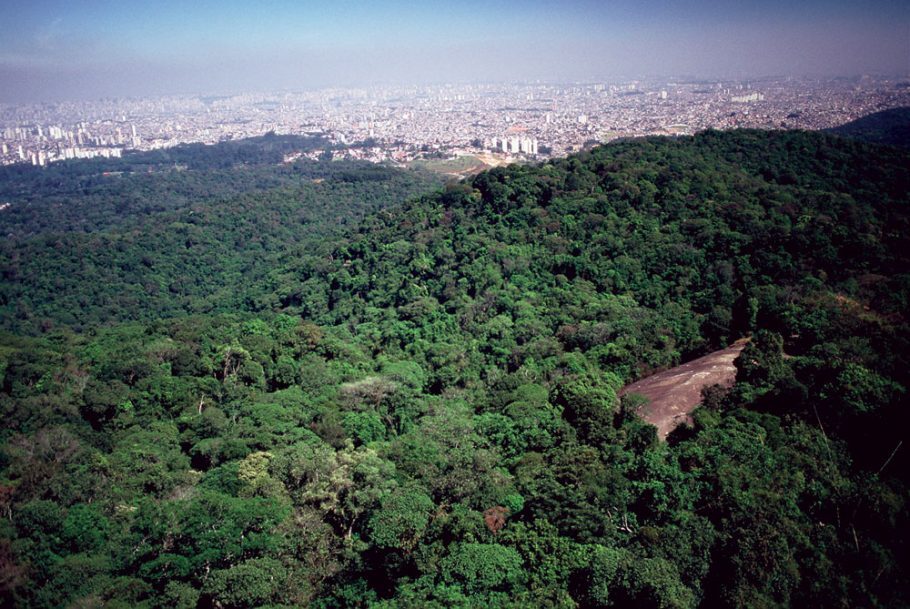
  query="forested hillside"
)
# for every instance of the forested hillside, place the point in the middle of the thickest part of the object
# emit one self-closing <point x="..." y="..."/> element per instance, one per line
<point x="231" y="402"/>
<point x="890" y="127"/>
<point x="171" y="232"/>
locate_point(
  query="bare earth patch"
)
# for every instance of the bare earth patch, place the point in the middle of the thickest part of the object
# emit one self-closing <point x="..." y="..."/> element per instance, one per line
<point x="673" y="394"/>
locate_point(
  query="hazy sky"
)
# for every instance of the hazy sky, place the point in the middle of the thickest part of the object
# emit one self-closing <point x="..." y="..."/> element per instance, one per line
<point x="58" y="49"/>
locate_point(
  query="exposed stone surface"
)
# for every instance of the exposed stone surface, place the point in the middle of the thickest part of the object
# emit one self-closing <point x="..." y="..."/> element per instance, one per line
<point x="673" y="394"/>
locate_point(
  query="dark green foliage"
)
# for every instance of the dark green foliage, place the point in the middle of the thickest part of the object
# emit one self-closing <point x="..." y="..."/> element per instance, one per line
<point x="97" y="254"/>
<point x="249" y="584"/>
<point x="891" y="127"/>
<point x="483" y="567"/>
<point x="230" y="385"/>
<point x="401" y="519"/>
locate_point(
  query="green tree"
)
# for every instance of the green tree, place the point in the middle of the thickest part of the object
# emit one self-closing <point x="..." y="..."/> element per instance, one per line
<point x="401" y="519"/>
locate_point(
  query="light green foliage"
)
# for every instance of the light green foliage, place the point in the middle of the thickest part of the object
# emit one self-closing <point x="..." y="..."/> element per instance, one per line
<point x="253" y="474"/>
<point x="364" y="427"/>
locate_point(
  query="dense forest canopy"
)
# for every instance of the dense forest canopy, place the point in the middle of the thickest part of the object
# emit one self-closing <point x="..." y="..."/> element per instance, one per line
<point x="88" y="245"/>
<point x="312" y="388"/>
<point x="104" y="194"/>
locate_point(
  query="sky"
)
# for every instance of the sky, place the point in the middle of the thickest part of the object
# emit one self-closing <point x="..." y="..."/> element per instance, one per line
<point x="53" y="50"/>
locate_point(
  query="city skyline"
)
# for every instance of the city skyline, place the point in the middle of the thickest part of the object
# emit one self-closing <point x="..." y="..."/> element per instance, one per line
<point x="54" y="50"/>
<point x="493" y="124"/>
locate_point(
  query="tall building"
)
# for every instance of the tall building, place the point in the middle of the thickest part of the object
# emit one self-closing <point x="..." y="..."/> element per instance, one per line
<point x="745" y="99"/>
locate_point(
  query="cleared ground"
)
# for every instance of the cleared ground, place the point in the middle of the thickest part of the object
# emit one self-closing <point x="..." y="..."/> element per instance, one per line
<point x="458" y="167"/>
<point x="673" y="394"/>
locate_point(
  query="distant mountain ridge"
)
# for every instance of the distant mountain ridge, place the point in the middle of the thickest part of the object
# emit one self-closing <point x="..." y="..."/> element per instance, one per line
<point x="891" y="127"/>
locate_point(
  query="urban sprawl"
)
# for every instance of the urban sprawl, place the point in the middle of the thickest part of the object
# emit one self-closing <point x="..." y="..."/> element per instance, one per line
<point x="495" y="123"/>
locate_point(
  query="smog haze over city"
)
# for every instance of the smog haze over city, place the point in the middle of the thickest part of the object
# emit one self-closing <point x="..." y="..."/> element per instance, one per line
<point x="54" y="50"/>
<point x="494" y="82"/>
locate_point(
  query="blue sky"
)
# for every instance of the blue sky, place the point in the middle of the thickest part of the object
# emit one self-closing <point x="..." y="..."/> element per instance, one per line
<point x="54" y="49"/>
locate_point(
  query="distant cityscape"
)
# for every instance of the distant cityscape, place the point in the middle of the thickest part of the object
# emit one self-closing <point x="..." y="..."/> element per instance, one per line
<point x="496" y="123"/>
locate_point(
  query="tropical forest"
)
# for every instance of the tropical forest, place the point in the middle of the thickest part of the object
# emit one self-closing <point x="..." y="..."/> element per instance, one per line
<point x="229" y="379"/>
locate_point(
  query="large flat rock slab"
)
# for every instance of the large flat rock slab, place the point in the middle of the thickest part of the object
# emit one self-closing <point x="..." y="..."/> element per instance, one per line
<point x="673" y="394"/>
